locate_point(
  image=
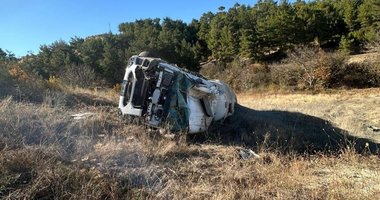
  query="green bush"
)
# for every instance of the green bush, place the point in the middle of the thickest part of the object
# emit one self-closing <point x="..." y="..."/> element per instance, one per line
<point x="346" y="45"/>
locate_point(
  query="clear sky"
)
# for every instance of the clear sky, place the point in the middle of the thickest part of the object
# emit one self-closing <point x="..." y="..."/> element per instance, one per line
<point x="27" y="24"/>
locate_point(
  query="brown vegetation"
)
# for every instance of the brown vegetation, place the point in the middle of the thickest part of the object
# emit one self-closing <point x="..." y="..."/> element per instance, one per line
<point x="305" y="68"/>
<point x="46" y="153"/>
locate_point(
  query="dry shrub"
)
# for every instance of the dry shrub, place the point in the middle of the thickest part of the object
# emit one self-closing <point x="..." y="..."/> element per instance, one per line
<point x="357" y="75"/>
<point x="307" y="67"/>
<point x="54" y="98"/>
<point x="241" y="74"/>
<point x="244" y="75"/>
<point x="213" y="70"/>
<point x="16" y="82"/>
<point x="328" y="67"/>
<point x="312" y="68"/>
<point x="17" y="73"/>
<point x="79" y="75"/>
<point x="285" y="75"/>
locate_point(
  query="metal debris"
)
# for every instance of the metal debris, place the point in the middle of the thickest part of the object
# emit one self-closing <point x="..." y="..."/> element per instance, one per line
<point x="82" y="115"/>
<point x="248" y="153"/>
<point x="374" y="128"/>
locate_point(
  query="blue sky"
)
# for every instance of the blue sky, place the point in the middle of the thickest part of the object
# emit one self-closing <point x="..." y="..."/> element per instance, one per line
<point x="27" y="24"/>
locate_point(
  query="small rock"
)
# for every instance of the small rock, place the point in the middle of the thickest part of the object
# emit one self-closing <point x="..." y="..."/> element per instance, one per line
<point x="84" y="159"/>
<point x="248" y="153"/>
<point x="374" y="128"/>
<point x="100" y="164"/>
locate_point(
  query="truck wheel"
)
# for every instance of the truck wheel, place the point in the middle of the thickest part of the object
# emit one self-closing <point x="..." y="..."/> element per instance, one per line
<point x="146" y="54"/>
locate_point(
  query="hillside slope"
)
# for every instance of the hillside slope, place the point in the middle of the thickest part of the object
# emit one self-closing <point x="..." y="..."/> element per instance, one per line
<point x="47" y="153"/>
<point x="308" y="148"/>
<point x="356" y="111"/>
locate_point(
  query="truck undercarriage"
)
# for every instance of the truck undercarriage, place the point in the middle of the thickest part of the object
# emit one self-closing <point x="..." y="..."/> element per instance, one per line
<point x="161" y="94"/>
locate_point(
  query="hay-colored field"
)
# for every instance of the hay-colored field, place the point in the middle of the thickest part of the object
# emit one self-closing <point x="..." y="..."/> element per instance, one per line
<point x="356" y="111"/>
<point x="47" y="154"/>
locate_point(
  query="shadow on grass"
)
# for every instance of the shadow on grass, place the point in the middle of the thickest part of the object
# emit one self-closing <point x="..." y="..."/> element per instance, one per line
<point x="89" y="100"/>
<point x="285" y="131"/>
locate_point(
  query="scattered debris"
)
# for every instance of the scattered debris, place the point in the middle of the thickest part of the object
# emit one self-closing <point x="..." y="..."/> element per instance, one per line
<point x="248" y="153"/>
<point x="84" y="158"/>
<point x="166" y="133"/>
<point x="82" y="115"/>
<point x="169" y="136"/>
<point x="374" y="128"/>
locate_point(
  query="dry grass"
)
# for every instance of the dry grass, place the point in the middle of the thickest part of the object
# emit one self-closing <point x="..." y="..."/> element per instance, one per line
<point x="351" y="110"/>
<point x="366" y="57"/>
<point x="47" y="154"/>
<point x="215" y="172"/>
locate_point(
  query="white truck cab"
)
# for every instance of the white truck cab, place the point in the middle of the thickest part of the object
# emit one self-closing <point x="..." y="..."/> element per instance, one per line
<point x="160" y="94"/>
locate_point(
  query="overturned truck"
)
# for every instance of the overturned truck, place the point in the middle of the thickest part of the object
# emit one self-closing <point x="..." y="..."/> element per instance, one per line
<point x="160" y="94"/>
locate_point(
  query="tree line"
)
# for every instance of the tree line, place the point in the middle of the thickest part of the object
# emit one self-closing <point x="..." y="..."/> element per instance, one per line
<point x="255" y="32"/>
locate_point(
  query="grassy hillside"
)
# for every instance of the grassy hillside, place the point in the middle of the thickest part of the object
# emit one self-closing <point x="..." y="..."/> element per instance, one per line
<point x="47" y="153"/>
<point x="355" y="111"/>
<point x="306" y="68"/>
